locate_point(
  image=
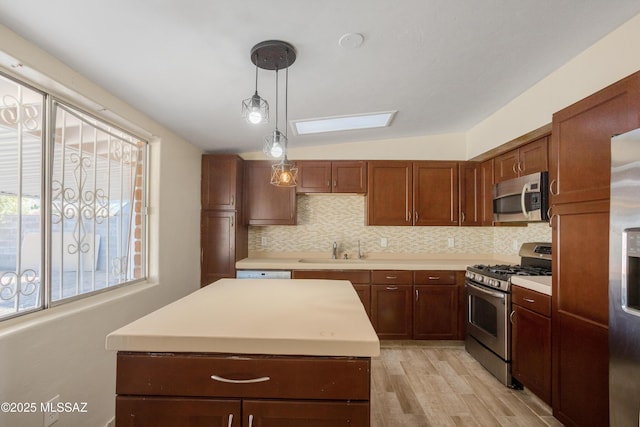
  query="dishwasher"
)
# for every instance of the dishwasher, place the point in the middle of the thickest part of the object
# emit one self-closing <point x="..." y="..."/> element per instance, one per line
<point x="263" y="274"/>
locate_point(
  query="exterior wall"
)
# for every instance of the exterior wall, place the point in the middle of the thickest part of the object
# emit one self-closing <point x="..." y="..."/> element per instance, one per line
<point x="61" y="351"/>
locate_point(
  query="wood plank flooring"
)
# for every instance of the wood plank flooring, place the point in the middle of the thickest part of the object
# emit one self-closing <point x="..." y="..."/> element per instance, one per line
<point x="427" y="383"/>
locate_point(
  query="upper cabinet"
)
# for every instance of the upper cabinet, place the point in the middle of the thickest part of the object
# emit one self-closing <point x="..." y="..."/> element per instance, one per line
<point x="471" y="194"/>
<point x="221" y="184"/>
<point x="412" y="193"/>
<point x="325" y="176"/>
<point x="528" y="159"/>
<point x="486" y="192"/>
<point x="266" y="204"/>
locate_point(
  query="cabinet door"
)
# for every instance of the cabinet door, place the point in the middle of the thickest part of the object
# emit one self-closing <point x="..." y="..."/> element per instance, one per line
<point x="435" y="312"/>
<point x="486" y="198"/>
<point x="391" y="311"/>
<point x="217" y="245"/>
<point x="390" y="193"/>
<point x="266" y="204"/>
<point x="580" y="155"/>
<point x="221" y="183"/>
<point x="470" y="193"/>
<point x="265" y="413"/>
<point x="506" y="166"/>
<point x="533" y="157"/>
<point x="142" y="411"/>
<point x="531" y="351"/>
<point x="435" y="193"/>
<point x="349" y="176"/>
<point x="314" y="176"/>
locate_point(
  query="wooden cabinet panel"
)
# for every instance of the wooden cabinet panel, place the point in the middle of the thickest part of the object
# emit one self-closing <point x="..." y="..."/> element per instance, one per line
<point x="525" y="160"/>
<point x="288" y="377"/>
<point x="349" y="176"/>
<point x="390" y="193"/>
<point x="305" y="414"/>
<point x="531" y="341"/>
<point x="471" y="193"/>
<point x="434" y="277"/>
<point x="338" y="176"/>
<point x="581" y="141"/>
<point x="435" y="193"/>
<point x="266" y="204"/>
<point x="392" y="311"/>
<point x="221" y="184"/>
<point x="391" y="277"/>
<point x="139" y="411"/>
<point x="435" y="312"/>
<point x="222" y="242"/>
<point x="314" y="176"/>
<point x="486" y="190"/>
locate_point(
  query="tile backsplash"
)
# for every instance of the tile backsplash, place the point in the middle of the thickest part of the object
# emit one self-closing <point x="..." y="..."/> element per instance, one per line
<point x="327" y="218"/>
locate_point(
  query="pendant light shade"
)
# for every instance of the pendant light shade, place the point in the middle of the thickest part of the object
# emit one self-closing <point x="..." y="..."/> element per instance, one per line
<point x="255" y="110"/>
<point x="274" y="55"/>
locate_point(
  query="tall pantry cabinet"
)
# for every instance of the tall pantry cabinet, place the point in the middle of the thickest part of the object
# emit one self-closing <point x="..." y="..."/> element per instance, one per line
<point x="223" y="235"/>
<point x="579" y="176"/>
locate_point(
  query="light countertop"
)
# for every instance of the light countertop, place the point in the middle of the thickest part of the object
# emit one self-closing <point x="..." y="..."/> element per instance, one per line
<point x="397" y="262"/>
<point x="540" y="284"/>
<point x="283" y="317"/>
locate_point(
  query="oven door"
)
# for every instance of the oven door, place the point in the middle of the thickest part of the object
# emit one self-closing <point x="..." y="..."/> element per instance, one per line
<point x="487" y="318"/>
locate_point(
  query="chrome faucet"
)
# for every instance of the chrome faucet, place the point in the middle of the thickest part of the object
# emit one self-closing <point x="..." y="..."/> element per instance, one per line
<point x="334" y="252"/>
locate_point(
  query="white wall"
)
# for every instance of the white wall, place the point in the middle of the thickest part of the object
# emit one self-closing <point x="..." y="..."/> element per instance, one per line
<point x="607" y="61"/>
<point x="61" y="350"/>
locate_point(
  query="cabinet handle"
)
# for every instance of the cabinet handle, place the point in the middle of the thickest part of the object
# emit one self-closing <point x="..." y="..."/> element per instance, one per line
<point x="553" y="193"/>
<point x="328" y="183"/>
<point x="416" y="216"/>
<point x="513" y="168"/>
<point x="529" y="300"/>
<point x="335" y="183"/>
<point x="511" y="317"/>
<point x="249" y="381"/>
<point x="233" y="200"/>
<point x="434" y="277"/>
<point x="520" y="168"/>
<point x="463" y="216"/>
<point x="391" y="277"/>
<point x="250" y="420"/>
<point x="417" y="295"/>
<point x="230" y="423"/>
<point x="392" y="288"/>
<point x="232" y="221"/>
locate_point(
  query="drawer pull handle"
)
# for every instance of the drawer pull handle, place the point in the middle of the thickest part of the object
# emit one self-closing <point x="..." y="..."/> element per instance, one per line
<point x="249" y="381"/>
<point x="392" y="288"/>
<point x="250" y="420"/>
<point x="230" y="420"/>
<point x="529" y="300"/>
<point x="391" y="277"/>
<point x="434" y="277"/>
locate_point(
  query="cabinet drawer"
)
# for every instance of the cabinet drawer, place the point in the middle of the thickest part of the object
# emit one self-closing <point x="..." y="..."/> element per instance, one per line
<point x="391" y="277"/>
<point x="245" y="376"/>
<point x="534" y="301"/>
<point x="434" y="277"/>
<point x="354" y="276"/>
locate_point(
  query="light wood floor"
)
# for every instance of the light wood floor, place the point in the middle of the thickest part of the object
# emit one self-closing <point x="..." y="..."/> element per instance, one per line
<point x="440" y="384"/>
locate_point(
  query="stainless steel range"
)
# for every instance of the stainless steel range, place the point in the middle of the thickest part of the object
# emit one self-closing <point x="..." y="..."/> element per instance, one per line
<point x="488" y="299"/>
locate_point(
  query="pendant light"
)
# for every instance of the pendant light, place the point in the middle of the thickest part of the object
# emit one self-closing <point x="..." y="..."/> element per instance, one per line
<point x="277" y="55"/>
<point x="255" y="110"/>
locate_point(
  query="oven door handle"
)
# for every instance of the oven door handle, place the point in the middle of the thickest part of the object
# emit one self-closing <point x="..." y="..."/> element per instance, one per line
<point x="494" y="294"/>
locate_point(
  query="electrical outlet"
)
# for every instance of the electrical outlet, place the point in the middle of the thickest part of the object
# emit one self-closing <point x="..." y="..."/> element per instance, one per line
<point x="264" y="241"/>
<point x="50" y="412"/>
<point x="384" y="242"/>
<point x="450" y="242"/>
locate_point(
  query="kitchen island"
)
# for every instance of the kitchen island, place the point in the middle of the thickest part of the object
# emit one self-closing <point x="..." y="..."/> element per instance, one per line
<point x="248" y="352"/>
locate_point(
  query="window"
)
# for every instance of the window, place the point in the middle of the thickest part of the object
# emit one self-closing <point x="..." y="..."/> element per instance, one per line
<point x="72" y="200"/>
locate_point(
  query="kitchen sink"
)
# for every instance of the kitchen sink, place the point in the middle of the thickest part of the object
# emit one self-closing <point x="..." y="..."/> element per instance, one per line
<point x="330" y="261"/>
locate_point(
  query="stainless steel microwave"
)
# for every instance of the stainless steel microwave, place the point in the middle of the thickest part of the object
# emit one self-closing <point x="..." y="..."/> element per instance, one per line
<point x="523" y="199"/>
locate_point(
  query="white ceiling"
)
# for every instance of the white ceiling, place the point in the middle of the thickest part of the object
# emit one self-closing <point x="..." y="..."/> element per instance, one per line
<point x="444" y="65"/>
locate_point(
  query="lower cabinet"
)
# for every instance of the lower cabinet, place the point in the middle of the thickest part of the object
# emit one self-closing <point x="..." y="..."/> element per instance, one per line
<point x="531" y="341"/>
<point x="201" y="412"/>
<point x="205" y="389"/>
<point x="391" y="304"/>
<point x="436" y="306"/>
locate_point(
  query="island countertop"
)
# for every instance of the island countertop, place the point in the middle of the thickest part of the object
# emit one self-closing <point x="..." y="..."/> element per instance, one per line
<point x="280" y="317"/>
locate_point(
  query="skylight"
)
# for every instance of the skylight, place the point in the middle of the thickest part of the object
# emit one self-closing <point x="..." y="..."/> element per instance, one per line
<point x="341" y="123"/>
